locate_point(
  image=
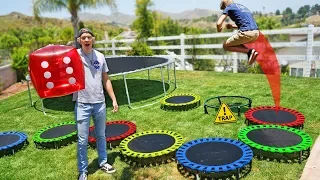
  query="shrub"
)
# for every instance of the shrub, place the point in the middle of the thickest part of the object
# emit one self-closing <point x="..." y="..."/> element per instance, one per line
<point x="20" y="62"/>
<point x="140" y="48"/>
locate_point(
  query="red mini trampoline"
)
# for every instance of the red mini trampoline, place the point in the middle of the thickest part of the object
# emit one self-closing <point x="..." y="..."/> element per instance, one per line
<point x="271" y="115"/>
<point x="116" y="131"/>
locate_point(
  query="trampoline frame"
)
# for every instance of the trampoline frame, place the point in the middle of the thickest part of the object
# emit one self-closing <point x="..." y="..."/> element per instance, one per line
<point x="149" y="159"/>
<point x="298" y="123"/>
<point x="143" y="69"/>
<point x="11" y="148"/>
<point x="181" y="106"/>
<point x="117" y="139"/>
<point x="161" y="66"/>
<point x="57" y="142"/>
<point x="237" y="165"/>
<point x="305" y="144"/>
<point x="206" y="106"/>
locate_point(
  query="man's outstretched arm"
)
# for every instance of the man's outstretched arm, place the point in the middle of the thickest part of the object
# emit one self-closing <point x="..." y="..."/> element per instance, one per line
<point x="220" y="21"/>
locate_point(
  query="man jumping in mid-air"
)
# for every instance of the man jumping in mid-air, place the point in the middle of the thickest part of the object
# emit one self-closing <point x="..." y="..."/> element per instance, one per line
<point x="245" y="23"/>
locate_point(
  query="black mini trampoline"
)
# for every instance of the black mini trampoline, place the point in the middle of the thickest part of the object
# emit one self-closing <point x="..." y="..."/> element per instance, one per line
<point x="215" y="158"/>
<point x="150" y="147"/>
<point x="237" y="104"/>
<point x="272" y="115"/>
<point x="56" y="136"/>
<point x="116" y="131"/>
<point x="180" y="102"/>
<point x="12" y="142"/>
<point x="276" y="142"/>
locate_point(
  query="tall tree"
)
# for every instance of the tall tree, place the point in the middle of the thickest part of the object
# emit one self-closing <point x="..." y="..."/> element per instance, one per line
<point x="144" y="22"/>
<point x="73" y="6"/>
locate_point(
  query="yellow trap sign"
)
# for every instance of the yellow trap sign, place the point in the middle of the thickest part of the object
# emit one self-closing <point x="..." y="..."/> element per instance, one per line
<point x="225" y="115"/>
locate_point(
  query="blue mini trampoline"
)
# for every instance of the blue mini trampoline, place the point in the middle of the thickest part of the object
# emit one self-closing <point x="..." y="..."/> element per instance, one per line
<point x="214" y="158"/>
<point x="11" y="142"/>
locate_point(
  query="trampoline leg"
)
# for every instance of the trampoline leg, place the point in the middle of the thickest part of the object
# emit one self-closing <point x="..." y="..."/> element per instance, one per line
<point x="197" y="177"/>
<point x="164" y="86"/>
<point x="30" y="98"/>
<point x="238" y="111"/>
<point x="174" y="74"/>
<point x="205" y="110"/>
<point x="260" y="156"/>
<point x="168" y="73"/>
<point x="238" y="174"/>
<point x="300" y="157"/>
<point x="44" y="112"/>
<point x="127" y="92"/>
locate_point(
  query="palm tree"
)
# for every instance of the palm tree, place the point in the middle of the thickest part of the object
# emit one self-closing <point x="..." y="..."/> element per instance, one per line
<point x="73" y="6"/>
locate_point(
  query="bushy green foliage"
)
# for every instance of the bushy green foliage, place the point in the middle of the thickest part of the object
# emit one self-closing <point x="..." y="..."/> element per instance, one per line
<point x="144" y="21"/>
<point x="140" y="48"/>
<point x="20" y="61"/>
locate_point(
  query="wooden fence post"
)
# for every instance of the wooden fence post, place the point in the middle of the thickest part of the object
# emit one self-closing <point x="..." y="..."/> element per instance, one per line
<point x="307" y="69"/>
<point x="183" y="54"/>
<point x="113" y="47"/>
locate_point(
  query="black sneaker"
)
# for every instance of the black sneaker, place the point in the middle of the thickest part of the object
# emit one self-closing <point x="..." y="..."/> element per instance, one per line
<point x="107" y="168"/>
<point x="252" y="55"/>
<point x="83" y="176"/>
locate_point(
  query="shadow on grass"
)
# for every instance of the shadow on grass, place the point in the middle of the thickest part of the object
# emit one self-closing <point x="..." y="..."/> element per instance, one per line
<point x="94" y="167"/>
<point x="139" y="90"/>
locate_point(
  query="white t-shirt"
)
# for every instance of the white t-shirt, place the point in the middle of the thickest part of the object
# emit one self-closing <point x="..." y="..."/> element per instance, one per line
<point x="94" y="65"/>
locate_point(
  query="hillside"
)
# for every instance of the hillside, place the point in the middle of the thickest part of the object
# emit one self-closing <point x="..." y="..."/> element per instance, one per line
<point x="125" y="19"/>
<point x="17" y="20"/>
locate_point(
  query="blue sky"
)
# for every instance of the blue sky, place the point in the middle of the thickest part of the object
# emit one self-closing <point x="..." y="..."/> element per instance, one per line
<point x="173" y="6"/>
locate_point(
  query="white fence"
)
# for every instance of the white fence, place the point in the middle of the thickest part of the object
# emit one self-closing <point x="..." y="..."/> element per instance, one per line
<point x="310" y="31"/>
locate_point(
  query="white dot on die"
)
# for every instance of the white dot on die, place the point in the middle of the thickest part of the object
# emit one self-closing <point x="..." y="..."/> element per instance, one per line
<point x="47" y="74"/>
<point x="66" y="60"/>
<point x="50" y="85"/>
<point x="69" y="70"/>
<point x="72" y="80"/>
<point x="44" y="64"/>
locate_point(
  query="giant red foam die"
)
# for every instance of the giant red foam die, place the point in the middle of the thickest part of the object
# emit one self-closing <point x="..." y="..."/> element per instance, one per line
<point x="56" y="70"/>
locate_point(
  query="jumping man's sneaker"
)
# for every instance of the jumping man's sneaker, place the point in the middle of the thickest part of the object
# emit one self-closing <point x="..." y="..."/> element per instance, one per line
<point x="83" y="176"/>
<point x="252" y="55"/>
<point x="108" y="168"/>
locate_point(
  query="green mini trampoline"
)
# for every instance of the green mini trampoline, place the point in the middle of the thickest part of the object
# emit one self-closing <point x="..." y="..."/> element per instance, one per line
<point x="56" y="136"/>
<point x="238" y="104"/>
<point x="150" y="147"/>
<point x="180" y="102"/>
<point x="276" y="142"/>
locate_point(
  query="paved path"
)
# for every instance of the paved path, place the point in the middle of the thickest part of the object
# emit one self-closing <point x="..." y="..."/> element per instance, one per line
<point x="312" y="169"/>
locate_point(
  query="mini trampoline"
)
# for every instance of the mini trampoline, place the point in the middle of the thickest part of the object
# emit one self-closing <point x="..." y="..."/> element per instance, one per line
<point x="180" y="102"/>
<point x="215" y="158"/>
<point x="116" y="131"/>
<point x="269" y="115"/>
<point x="276" y="142"/>
<point x="132" y="64"/>
<point x="150" y="147"/>
<point x="56" y="136"/>
<point x="12" y="142"/>
<point x="237" y="104"/>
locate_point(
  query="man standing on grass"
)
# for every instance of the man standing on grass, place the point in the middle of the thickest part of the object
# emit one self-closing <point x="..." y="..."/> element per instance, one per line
<point x="90" y="102"/>
<point x="245" y="23"/>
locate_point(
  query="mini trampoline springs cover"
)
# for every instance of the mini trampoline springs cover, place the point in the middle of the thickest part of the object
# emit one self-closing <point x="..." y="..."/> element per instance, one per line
<point x="12" y="142"/>
<point x="214" y="158"/>
<point x="180" y="102"/>
<point x="273" y="115"/>
<point x="276" y="142"/>
<point x="150" y="147"/>
<point x="116" y="131"/>
<point x="56" y="136"/>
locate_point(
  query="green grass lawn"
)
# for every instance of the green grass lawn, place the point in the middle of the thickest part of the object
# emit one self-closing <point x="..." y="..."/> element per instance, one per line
<point x="16" y="114"/>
